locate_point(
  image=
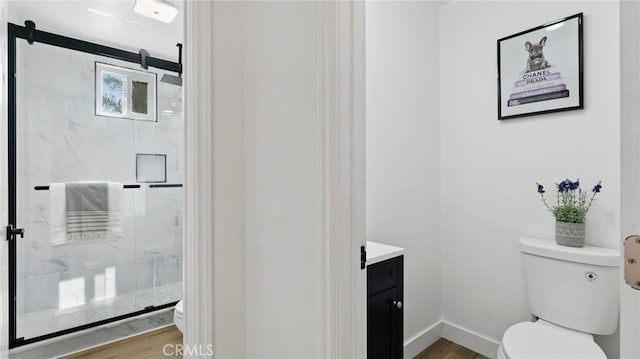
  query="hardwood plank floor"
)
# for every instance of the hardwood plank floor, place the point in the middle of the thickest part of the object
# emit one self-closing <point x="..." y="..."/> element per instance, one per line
<point x="149" y="345"/>
<point x="143" y="346"/>
<point x="444" y="349"/>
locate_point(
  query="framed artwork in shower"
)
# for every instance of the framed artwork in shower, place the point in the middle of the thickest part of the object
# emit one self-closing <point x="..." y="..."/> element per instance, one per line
<point x="125" y="93"/>
<point x="540" y="70"/>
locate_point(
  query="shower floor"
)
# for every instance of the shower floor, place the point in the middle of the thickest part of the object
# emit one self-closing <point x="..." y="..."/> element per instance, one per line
<point x="35" y="324"/>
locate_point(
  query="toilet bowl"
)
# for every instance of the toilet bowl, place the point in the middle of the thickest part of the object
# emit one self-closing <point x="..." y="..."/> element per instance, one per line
<point x="558" y="281"/>
<point x="541" y="339"/>
<point x="178" y="316"/>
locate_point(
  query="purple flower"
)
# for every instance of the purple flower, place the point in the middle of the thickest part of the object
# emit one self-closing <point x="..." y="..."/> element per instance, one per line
<point x="597" y="187"/>
<point x="540" y="188"/>
<point x="563" y="186"/>
<point x="567" y="185"/>
<point x="575" y="185"/>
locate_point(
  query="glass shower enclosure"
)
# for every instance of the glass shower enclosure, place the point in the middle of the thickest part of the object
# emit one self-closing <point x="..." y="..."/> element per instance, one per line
<point x="84" y="112"/>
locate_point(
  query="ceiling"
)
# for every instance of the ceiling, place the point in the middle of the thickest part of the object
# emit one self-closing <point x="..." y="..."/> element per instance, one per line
<point x="109" y="22"/>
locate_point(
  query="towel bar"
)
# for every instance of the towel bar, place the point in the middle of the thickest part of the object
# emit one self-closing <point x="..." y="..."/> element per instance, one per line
<point x="161" y="185"/>
<point x="46" y="188"/>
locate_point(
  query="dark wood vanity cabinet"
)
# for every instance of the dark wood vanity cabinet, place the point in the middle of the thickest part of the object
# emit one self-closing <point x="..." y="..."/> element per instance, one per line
<point x="384" y="309"/>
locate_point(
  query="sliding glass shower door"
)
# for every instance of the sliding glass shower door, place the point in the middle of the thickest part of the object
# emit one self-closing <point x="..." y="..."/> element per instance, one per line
<point x="81" y="117"/>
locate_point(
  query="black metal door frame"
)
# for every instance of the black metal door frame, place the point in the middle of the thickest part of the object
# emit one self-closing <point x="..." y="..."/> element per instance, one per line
<point x="30" y="34"/>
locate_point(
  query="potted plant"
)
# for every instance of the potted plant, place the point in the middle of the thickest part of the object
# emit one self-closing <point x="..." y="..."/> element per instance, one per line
<point x="570" y="211"/>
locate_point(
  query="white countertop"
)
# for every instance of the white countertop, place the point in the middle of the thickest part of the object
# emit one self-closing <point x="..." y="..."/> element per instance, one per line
<point x="378" y="252"/>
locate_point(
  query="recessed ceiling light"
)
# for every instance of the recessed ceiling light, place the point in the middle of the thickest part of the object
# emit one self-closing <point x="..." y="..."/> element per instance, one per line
<point x="99" y="12"/>
<point x="156" y="9"/>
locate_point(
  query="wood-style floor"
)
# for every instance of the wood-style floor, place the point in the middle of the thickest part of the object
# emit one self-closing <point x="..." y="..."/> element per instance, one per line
<point x="144" y="346"/>
<point x="444" y="349"/>
<point x="150" y="345"/>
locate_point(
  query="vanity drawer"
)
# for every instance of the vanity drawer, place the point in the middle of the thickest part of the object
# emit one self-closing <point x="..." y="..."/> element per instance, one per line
<point x="383" y="275"/>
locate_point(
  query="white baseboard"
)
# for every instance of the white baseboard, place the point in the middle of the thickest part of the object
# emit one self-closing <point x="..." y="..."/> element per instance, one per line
<point x="468" y="339"/>
<point x="422" y="340"/>
<point x="443" y="329"/>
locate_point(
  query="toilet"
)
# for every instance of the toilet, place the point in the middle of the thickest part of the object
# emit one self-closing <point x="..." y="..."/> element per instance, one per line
<point x="574" y="294"/>
<point x="178" y="316"/>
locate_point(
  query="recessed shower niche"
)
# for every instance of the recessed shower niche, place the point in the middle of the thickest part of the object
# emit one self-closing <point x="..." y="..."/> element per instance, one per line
<point x="59" y="136"/>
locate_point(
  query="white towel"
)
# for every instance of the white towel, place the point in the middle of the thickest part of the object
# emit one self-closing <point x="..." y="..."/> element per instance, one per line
<point x="66" y="226"/>
<point x="57" y="213"/>
<point x="115" y="208"/>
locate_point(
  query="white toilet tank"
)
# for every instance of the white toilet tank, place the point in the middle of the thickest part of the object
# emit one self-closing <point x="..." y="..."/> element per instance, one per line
<point x="577" y="288"/>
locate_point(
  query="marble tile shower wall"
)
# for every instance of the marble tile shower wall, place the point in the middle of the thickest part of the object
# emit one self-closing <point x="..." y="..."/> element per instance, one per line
<point x="60" y="139"/>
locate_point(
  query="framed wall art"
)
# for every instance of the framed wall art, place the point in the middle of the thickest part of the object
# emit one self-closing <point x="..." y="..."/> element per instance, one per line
<point x="540" y="70"/>
<point x="125" y="93"/>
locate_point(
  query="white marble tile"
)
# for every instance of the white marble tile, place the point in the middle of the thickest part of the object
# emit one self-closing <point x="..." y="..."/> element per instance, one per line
<point x="34" y="324"/>
<point x="61" y="139"/>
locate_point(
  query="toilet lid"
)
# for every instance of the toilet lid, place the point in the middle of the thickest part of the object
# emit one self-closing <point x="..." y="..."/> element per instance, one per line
<point x="534" y="341"/>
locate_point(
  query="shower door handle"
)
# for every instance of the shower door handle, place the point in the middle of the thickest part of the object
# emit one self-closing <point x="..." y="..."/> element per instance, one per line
<point x="13" y="232"/>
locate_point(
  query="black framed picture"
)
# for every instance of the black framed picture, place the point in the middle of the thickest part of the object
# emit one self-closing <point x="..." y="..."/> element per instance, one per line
<point x="540" y="70"/>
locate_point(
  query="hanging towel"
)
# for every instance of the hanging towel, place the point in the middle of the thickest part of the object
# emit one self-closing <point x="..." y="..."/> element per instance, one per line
<point x="57" y="217"/>
<point x="85" y="211"/>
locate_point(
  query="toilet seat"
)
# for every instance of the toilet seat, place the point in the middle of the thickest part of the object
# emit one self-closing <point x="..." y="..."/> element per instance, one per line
<point x="541" y="339"/>
<point x="178" y="316"/>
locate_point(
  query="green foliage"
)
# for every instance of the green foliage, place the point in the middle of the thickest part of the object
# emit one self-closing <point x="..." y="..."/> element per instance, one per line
<point x="112" y="93"/>
<point x="113" y="83"/>
<point x="572" y="206"/>
<point x="111" y="105"/>
<point x="573" y="203"/>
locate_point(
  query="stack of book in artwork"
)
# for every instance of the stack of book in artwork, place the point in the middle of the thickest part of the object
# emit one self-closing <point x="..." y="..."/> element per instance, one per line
<point x="540" y="85"/>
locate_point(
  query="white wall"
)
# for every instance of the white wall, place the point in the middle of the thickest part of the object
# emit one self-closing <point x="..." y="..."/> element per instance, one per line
<point x="489" y="167"/>
<point x="229" y="325"/>
<point x="284" y="283"/>
<point x="268" y="259"/>
<point x="630" y="132"/>
<point x="403" y="153"/>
